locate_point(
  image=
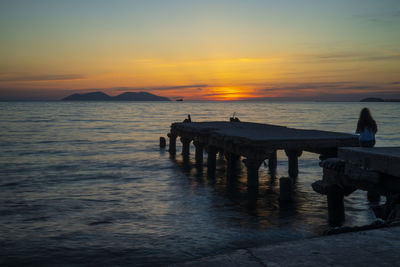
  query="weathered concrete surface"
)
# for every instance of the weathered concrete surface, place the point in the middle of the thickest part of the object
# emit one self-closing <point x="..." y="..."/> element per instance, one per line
<point x="367" y="248"/>
<point x="260" y="132"/>
<point x="381" y="159"/>
<point x="262" y="140"/>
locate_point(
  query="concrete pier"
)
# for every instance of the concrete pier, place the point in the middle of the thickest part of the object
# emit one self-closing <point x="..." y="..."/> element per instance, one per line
<point x="382" y="159"/>
<point x="375" y="170"/>
<point x="256" y="143"/>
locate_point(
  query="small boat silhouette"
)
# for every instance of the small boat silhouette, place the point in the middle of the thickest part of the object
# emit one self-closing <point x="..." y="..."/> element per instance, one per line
<point x="180" y="99"/>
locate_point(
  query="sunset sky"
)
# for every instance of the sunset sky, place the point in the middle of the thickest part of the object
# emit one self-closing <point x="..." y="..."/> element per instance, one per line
<point x="201" y="50"/>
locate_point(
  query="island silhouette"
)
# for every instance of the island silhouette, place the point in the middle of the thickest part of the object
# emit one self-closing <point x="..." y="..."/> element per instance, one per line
<point x="377" y="99"/>
<point x="128" y="96"/>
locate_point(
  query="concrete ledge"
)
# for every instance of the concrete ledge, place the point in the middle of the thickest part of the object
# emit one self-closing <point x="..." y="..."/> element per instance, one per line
<point x="381" y="159"/>
<point x="367" y="248"/>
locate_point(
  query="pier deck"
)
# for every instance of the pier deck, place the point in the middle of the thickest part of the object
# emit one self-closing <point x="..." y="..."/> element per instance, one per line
<point x="256" y="142"/>
<point x="385" y="160"/>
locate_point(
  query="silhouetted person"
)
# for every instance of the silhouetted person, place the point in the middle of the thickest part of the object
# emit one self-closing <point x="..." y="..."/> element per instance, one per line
<point x="189" y="119"/>
<point x="367" y="128"/>
<point x="234" y="118"/>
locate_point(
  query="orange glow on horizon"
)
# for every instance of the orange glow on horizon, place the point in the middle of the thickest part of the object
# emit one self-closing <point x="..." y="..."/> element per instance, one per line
<point x="200" y="50"/>
<point x="229" y="94"/>
<point x="218" y="79"/>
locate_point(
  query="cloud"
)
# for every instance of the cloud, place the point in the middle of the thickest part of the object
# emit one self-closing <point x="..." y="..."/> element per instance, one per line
<point x="184" y="86"/>
<point x="325" y="96"/>
<point x="48" y="77"/>
<point x="382" y="57"/>
<point x="326" y="90"/>
<point x="174" y="87"/>
<point x="7" y="93"/>
<point x="347" y="56"/>
<point x="304" y="86"/>
<point x="383" y="19"/>
<point x="214" y="94"/>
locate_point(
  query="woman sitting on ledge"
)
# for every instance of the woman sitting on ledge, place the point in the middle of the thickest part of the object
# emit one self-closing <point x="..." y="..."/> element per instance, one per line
<point x="367" y="128"/>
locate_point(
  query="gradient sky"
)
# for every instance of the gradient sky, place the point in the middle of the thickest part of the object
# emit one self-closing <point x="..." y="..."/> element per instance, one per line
<point x="209" y="49"/>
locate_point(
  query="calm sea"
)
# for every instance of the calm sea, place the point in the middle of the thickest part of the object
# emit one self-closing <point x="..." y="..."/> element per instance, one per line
<point x="86" y="183"/>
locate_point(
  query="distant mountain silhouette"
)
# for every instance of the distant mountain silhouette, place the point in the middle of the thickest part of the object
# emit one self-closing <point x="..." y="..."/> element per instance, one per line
<point x="372" y="99"/>
<point x="139" y="96"/>
<point x="376" y="99"/>
<point x="94" y="96"/>
<point x="128" y="96"/>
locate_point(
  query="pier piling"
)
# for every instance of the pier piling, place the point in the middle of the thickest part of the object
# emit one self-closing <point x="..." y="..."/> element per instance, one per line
<point x="198" y="152"/>
<point x="163" y="143"/>
<point x="272" y="161"/>
<point x="293" y="156"/>
<point x="232" y="164"/>
<point x="335" y="198"/>
<point x="185" y="146"/>
<point x="252" y="165"/>
<point x="211" y="159"/>
<point x="172" y="143"/>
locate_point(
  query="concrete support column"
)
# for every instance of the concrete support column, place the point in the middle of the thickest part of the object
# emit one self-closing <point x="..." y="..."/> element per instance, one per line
<point x="232" y="164"/>
<point x="172" y="143"/>
<point x="293" y="156"/>
<point x="163" y="142"/>
<point x="199" y="152"/>
<point x="272" y="161"/>
<point x="185" y="146"/>
<point x="211" y="159"/>
<point x="335" y="205"/>
<point x="252" y="165"/>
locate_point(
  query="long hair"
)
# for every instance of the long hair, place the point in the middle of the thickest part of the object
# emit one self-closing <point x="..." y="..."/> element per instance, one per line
<point x="366" y="121"/>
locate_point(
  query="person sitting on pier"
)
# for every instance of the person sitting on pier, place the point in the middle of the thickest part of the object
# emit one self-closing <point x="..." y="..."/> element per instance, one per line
<point x="234" y="118"/>
<point x="367" y="128"/>
<point x="189" y="119"/>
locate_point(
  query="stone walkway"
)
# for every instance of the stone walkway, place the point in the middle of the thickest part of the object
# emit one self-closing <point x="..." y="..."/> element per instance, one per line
<point x="380" y="247"/>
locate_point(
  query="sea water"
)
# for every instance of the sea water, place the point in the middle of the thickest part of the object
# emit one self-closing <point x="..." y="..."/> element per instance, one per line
<point x="86" y="182"/>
